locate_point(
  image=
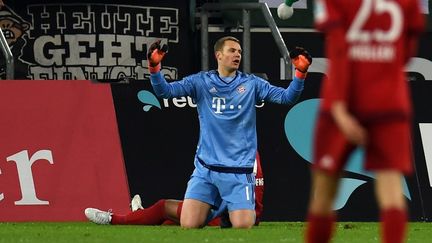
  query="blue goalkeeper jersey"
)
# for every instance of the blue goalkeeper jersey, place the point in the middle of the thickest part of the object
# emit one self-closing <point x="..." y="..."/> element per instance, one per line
<point x="227" y="112"/>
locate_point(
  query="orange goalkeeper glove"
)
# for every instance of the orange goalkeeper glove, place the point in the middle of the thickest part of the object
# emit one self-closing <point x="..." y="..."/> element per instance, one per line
<point x="155" y="55"/>
<point x="301" y="59"/>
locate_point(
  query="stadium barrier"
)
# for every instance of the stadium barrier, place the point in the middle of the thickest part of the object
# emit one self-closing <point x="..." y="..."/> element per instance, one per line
<point x="59" y="152"/>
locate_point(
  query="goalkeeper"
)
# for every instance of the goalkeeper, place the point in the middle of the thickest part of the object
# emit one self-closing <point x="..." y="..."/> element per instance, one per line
<point x="225" y="155"/>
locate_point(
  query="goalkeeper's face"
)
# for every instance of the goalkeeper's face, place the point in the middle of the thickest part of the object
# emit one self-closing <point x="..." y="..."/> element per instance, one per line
<point x="230" y="56"/>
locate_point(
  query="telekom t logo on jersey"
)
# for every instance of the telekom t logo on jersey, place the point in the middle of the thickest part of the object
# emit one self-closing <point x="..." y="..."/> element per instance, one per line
<point x="219" y="104"/>
<point x="25" y="175"/>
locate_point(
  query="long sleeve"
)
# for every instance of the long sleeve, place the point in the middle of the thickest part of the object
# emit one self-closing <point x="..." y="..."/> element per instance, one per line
<point x="279" y="95"/>
<point x="293" y="92"/>
<point x="160" y="85"/>
<point x="174" y="89"/>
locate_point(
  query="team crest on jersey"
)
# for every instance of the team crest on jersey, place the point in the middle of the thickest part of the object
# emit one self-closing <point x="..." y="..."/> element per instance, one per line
<point x="241" y="89"/>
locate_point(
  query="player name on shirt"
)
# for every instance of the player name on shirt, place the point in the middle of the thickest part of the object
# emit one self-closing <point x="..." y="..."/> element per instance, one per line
<point x="369" y="52"/>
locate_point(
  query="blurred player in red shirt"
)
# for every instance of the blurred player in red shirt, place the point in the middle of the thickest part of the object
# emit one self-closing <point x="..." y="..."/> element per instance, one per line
<point x="366" y="102"/>
<point x="167" y="211"/>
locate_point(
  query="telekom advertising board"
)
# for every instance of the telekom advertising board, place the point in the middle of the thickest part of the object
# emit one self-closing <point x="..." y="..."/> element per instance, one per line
<point x="59" y="151"/>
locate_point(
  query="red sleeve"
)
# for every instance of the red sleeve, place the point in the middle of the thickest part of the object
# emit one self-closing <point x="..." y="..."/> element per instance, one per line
<point x="415" y="24"/>
<point x="337" y="84"/>
<point x="259" y="190"/>
<point x="415" y="20"/>
<point x="329" y="18"/>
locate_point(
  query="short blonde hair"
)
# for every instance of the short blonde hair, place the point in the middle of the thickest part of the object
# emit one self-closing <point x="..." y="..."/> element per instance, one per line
<point x="218" y="46"/>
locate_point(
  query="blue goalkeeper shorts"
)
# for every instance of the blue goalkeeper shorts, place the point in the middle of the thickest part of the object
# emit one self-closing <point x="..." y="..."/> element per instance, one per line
<point x="221" y="190"/>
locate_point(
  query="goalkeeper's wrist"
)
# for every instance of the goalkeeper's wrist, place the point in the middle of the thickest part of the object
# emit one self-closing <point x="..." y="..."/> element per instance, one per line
<point x="300" y="74"/>
<point x="154" y="69"/>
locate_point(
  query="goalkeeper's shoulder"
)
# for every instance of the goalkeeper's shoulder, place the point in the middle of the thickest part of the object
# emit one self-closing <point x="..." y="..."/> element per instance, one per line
<point x="202" y="74"/>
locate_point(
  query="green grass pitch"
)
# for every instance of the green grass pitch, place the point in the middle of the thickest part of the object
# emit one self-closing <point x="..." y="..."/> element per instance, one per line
<point x="78" y="232"/>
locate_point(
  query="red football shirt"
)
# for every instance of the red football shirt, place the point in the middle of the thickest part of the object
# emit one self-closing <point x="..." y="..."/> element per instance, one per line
<point x="368" y="43"/>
